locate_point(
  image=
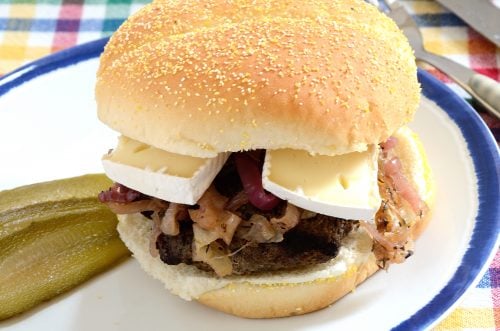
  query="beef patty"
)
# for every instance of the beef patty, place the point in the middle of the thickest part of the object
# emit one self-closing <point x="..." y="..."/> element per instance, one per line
<point x="312" y="241"/>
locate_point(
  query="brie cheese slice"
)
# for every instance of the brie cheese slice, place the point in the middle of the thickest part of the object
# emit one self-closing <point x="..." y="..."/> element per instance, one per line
<point x="343" y="186"/>
<point x="161" y="174"/>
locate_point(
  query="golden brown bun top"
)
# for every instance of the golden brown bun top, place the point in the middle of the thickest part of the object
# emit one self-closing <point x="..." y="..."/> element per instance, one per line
<point x="202" y="77"/>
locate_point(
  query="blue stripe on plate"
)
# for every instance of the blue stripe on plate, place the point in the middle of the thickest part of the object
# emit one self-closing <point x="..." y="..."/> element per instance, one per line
<point x="52" y="62"/>
<point x="485" y="155"/>
<point x="482" y="147"/>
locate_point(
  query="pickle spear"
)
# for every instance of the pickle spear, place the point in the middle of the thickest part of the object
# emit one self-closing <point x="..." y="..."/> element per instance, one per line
<point x="21" y="206"/>
<point x="53" y="236"/>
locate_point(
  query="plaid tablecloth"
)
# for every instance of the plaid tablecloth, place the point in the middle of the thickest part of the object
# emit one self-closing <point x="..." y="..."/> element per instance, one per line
<point x="30" y="29"/>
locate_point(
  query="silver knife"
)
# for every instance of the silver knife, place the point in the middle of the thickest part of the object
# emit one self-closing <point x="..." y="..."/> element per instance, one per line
<point x="484" y="90"/>
<point x="482" y="15"/>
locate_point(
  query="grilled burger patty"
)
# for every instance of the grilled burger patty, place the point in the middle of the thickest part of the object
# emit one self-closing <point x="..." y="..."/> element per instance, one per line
<point x="314" y="240"/>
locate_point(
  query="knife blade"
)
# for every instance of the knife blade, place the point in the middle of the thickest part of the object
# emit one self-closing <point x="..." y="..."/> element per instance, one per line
<point x="482" y="15"/>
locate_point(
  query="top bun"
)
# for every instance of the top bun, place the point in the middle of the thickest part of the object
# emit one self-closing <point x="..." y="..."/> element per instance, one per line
<point x="203" y="77"/>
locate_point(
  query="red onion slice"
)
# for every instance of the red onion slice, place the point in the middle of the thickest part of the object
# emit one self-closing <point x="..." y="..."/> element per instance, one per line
<point x="119" y="193"/>
<point x="390" y="143"/>
<point x="251" y="178"/>
<point x="394" y="170"/>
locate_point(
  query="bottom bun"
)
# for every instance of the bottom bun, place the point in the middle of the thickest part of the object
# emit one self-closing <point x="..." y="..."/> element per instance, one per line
<point x="287" y="299"/>
<point x="281" y="294"/>
<point x="267" y="295"/>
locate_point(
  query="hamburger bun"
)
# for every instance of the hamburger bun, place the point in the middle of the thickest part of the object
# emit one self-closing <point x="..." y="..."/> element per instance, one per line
<point x="204" y="77"/>
<point x="282" y="294"/>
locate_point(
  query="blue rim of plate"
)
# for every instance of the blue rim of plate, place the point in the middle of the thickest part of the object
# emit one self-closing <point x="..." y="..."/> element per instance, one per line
<point x="480" y="142"/>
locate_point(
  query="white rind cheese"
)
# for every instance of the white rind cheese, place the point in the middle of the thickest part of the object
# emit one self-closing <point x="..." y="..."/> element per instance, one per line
<point x="343" y="186"/>
<point x="161" y="174"/>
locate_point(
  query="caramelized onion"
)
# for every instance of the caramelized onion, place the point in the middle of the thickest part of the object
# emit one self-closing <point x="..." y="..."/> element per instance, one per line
<point x="210" y="204"/>
<point x="169" y="222"/>
<point x="393" y="170"/>
<point x="261" y="230"/>
<point x="307" y="214"/>
<point x="237" y="201"/>
<point x="136" y="206"/>
<point x="377" y="236"/>
<point x="228" y="227"/>
<point x="212" y="216"/>
<point x="251" y="178"/>
<point x="203" y="237"/>
<point x="288" y="220"/>
<point x="207" y="249"/>
<point x="155" y="233"/>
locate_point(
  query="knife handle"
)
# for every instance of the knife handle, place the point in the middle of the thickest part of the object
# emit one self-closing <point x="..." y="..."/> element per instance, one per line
<point x="484" y="90"/>
<point x="487" y="89"/>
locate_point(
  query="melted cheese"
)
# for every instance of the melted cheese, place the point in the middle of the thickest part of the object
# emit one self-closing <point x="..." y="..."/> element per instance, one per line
<point x="155" y="172"/>
<point x="343" y="186"/>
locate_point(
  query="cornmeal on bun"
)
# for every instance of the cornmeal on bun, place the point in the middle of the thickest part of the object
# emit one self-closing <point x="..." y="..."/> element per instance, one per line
<point x="264" y="166"/>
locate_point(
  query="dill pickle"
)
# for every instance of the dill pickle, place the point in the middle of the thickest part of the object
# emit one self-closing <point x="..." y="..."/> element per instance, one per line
<point x="24" y="205"/>
<point x="86" y="186"/>
<point x="53" y="237"/>
<point x="13" y="221"/>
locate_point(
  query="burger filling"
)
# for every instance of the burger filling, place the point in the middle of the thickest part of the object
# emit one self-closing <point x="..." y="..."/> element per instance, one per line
<point x="238" y="228"/>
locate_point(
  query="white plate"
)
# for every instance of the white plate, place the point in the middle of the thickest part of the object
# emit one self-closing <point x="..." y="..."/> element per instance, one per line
<point x="49" y="130"/>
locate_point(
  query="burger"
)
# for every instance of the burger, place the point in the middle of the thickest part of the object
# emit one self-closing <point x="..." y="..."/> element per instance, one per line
<point x="264" y="166"/>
